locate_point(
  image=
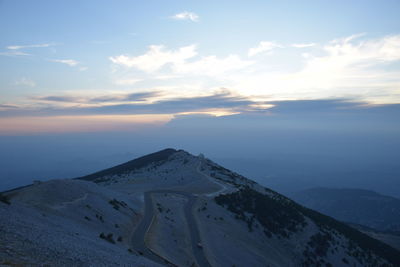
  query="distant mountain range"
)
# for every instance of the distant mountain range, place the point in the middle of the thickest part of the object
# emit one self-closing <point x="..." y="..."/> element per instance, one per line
<point x="357" y="206"/>
<point x="171" y="208"/>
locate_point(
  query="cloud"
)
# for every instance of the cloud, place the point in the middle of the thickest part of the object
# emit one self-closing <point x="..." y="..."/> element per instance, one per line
<point x="354" y="67"/>
<point x="126" y="81"/>
<point x="25" y="82"/>
<point x="141" y="96"/>
<point x="303" y="45"/>
<point x="133" y="97"/>
<point x="322" y="114"/>
<point x="18" y="47"/>
<point x="156" y="57"/>
<point x="6" y="106"/>
<point x="166" y="77"/>
<point x="219" y="103"/>
<point x="263" y="47"/>
<point x="186" y="16"/>
<point x="69" y="99"/>
<point x="212" y="65"/>
<point x="14" y="50"/>
<point x="69" y="62"/>
<point x="350" y="67"/>
<point x="376" y="50"/>
<point x="14" y="53"/>
<point x="111" y="98"/>
<point x="178" y="60"/>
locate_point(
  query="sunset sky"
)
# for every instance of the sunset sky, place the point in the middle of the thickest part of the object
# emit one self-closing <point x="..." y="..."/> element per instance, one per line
<point x="71" y="66"/>
<point x="293" y="94"/>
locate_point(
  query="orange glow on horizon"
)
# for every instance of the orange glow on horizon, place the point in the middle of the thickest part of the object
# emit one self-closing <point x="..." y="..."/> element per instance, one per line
<point x="60" y="124"/>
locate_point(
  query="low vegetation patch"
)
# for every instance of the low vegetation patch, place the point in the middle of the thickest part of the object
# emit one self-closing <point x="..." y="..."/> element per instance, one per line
<point x="277" y="217"/>
<point x="282" y="217"/>
<point x="360" y="240"/>
<point x="117" y="204"/>
<point x="317" y="249"/>
<point x="320" y="242"/>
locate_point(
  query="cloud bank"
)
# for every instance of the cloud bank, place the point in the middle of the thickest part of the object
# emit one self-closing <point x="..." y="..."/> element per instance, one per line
<point x="182" y="80"/>
<point x="351" y="67"/>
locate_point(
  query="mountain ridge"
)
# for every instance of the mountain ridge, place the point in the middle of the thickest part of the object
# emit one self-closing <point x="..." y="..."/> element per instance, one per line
<point x="132" y="164"/>
<point x="233" y="220"/>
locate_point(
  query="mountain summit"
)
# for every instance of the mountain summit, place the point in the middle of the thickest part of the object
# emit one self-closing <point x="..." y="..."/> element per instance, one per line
<point x="173" y="208"/>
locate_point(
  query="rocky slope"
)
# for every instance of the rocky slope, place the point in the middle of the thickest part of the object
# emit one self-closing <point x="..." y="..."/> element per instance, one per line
<point x="173" y="208"/>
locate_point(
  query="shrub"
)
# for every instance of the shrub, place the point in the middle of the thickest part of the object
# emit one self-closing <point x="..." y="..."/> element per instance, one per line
<point x="4" y="199"/>
<point x="159" y="207"/>
<point x="320" y="242"/>
<point x="278" y="217"/>
<point x="117" y="204"/>
<point x="100" y="217"/>
<point x="108" y="237"/>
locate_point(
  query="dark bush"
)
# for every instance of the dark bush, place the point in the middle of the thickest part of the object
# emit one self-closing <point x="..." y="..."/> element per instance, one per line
<point x="4" y="199"/>
<point x="117" y="204"/>
<point x="100" y="217"/>
<point x="108" y="238"/>
<point x="320" y="242"/>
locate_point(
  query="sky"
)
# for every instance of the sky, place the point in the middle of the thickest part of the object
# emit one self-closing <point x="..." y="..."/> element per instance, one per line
<point x="84" y="61"/>
<point x="208" y="76"/>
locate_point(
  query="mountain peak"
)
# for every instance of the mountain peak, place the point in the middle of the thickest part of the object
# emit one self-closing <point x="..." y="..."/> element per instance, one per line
<point x="171" y="205"/>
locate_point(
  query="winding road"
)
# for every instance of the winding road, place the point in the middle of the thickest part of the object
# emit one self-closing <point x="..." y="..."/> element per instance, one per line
<point x="138" y="236"/>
